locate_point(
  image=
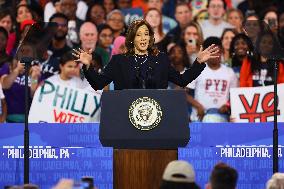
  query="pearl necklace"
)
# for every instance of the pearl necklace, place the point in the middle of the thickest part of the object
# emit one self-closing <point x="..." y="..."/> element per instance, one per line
<point x="141" y="57"/>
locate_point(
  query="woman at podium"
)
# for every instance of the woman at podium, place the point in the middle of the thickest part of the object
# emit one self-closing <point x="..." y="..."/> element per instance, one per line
<point x="142" y="66"/>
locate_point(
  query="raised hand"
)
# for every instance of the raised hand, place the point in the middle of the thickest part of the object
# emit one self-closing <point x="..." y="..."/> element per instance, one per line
<point x="20" y="68"/>
<point x="35" y="72"/>
<point x="82" y="56"/>
<point x="209" y="53"/>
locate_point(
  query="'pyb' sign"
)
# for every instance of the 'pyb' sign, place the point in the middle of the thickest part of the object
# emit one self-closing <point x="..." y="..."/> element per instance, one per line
<point x="256" y="104"/>
<point x="57" y="103"/>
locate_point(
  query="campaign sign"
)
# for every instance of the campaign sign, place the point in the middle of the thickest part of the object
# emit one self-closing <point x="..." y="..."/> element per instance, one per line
<point x="256" y="104"/>
<point x="58" y="103"/>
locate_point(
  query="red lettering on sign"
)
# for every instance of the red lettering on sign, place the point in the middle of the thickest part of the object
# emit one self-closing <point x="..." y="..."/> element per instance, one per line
<point x="267" y="105"/>
<point x="62" y="117"/>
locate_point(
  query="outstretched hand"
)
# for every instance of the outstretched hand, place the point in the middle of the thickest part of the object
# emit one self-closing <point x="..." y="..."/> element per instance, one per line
<point x="83" y="56"/>
<point x="209" y="53"/>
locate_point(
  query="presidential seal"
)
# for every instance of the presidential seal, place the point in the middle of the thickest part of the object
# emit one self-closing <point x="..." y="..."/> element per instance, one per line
<point x="145" y="113"/>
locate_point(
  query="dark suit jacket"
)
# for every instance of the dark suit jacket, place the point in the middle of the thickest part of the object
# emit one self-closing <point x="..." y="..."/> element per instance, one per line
<point x="123" y="71"/>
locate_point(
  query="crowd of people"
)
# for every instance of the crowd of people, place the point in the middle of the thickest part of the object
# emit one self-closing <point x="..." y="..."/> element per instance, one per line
<point x="247" y="34"/>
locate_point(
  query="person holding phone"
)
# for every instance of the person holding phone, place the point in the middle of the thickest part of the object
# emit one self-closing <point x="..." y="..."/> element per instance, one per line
<point x="271" y="18"/>
<point x="142" y="66"/>
<point x="192" y="38"/>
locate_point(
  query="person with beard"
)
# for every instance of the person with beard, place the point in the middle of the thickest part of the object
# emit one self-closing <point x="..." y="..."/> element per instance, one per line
<point x="59" y="46"/>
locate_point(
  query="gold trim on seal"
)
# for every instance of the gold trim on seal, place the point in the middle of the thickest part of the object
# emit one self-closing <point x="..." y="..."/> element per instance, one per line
<point x="145" y="113"/>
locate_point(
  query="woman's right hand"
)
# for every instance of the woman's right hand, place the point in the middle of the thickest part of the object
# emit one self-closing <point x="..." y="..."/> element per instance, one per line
<point x="83" y="57"/>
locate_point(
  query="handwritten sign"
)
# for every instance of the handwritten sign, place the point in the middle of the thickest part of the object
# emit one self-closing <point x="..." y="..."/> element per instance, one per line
<point x="57" y="103"/>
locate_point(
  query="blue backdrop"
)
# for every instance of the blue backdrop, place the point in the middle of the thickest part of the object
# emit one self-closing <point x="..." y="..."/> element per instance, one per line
<point x="72" y="151"/>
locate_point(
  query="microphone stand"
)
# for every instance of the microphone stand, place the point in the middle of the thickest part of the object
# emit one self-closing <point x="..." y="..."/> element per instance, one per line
<point x="275" y="129"/>
<point x="27" y="61"/>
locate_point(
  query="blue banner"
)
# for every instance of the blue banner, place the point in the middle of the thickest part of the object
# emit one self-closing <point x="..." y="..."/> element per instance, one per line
<point x="74" y="150"/>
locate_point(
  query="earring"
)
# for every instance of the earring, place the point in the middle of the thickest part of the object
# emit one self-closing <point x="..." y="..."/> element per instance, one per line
<point x="249" y="53"/>
<point x="233" y="54"/>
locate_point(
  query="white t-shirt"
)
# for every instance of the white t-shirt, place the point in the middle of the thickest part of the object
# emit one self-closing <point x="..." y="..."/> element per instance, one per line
<point x="210" y="30"/>
<point x="74" y="81"/>
<point x="212" y="88"/>
<point x="81" y="11"/>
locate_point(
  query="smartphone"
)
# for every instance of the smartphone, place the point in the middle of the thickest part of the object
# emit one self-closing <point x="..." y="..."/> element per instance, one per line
<point x="81" y="185"/>
<point x="88" y="181"/>
<point x="192" y="42"/>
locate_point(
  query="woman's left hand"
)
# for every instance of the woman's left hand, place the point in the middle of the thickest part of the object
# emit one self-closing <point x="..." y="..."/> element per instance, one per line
<point x="209" y="53"/>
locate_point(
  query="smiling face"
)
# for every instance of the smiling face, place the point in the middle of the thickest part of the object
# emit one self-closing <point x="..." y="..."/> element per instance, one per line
<point x="241" y="47"/>
<point x="141" y="40"/>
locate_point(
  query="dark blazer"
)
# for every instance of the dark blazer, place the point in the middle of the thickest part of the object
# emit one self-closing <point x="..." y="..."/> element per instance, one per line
<point x="124" y="72"/>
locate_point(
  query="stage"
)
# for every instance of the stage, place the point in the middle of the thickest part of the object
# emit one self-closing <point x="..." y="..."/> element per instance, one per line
<point x="74" y="150"/>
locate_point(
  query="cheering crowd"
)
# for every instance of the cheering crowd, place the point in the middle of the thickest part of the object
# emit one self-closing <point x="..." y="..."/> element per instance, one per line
<point x="246" y="33"/>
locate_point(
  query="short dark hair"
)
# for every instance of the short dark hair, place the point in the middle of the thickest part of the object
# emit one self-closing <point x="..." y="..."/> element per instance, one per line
<point x="224" y="4"/>
<point x="58" y="15"/>
<point x="5" y="12"/>
<point x="223" y="177"/>
<point x="102" y="27"/>
<point x="131" y="33"/>
<point x="66" y="58"/>
<point x="212" y="40"/>
<point x="183" y="4"/>
<point x="88" y="14"/>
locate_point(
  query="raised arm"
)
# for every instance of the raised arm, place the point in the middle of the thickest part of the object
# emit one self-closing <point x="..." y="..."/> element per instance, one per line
<point x="195" y="70"/>
<point x="97" y="80"/>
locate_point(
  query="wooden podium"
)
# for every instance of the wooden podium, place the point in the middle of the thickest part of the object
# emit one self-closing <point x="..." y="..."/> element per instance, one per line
<point x="140" y="156"/>
<point x="140" y="169"/>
